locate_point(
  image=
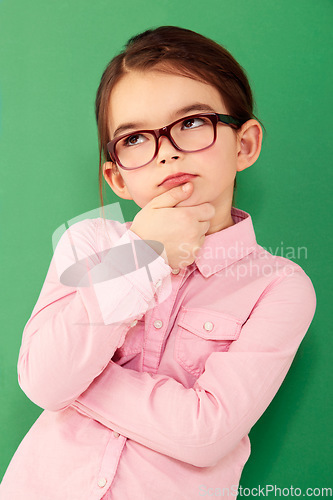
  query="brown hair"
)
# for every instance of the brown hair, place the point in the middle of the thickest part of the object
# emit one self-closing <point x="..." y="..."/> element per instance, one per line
<point x="183" y="52"/>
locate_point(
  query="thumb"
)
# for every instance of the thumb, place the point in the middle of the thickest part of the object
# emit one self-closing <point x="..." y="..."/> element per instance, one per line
<point x="173" y="196"/>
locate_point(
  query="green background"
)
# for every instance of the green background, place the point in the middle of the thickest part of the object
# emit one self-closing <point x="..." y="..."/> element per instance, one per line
<point x="53" y="54"/>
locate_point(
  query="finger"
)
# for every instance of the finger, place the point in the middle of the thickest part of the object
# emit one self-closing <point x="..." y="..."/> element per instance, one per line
<point x="204" y="226"/>
<point x="171" y="197"/>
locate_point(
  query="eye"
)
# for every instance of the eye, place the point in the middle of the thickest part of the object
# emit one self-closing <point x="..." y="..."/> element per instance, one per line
<point x="193" y="122"/>
<point x="133" y="140"/>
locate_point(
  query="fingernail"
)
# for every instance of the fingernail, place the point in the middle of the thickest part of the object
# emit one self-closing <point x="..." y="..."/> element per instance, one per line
<point x="186" y="187"/>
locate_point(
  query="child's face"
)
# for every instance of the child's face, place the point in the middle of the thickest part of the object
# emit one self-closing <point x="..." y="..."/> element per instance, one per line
<point x="151" y="100"/>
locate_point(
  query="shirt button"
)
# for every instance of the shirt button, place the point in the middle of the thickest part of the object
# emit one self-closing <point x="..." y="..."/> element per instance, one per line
<point x="175" y="271"/>
<point x="102" y="482"/>
<point x="134" y="323"/>
<point x="158" y="323"/>
<point x="208" y="326"/>
<point x="116" y="434"/>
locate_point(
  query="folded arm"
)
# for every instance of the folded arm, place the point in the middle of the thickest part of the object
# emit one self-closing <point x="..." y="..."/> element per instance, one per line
<point x="202" y="424"/>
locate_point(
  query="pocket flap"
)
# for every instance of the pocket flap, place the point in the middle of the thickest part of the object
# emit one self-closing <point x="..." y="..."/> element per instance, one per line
<point x="210" y="324"/>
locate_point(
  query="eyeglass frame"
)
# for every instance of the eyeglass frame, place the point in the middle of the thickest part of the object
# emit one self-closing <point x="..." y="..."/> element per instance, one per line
<point x="215" y="118"/>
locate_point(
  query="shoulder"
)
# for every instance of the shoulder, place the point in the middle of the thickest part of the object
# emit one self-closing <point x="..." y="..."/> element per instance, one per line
<point x="288" y="285"/>
<point x="279" y="279"/>
<point x="275" y="265"/>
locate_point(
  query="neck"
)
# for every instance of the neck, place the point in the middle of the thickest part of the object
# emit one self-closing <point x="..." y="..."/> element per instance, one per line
<point x="216" y="226"/>
<point x="222" y="218"/>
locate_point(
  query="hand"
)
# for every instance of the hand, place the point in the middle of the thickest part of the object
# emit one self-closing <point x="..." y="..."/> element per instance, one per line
<point x="181" y="229"/>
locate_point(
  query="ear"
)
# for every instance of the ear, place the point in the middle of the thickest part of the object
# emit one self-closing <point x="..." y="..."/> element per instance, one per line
<point x="115" y="180"/>
<point x="248" y="143"/>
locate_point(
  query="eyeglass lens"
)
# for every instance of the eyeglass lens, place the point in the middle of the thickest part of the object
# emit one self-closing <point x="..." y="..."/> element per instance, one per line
<point x="190" y="135"/>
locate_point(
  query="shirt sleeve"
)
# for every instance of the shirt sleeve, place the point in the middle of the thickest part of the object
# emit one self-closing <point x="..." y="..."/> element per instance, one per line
<point x="202" y="424"/>
<point x="74" y="331"/>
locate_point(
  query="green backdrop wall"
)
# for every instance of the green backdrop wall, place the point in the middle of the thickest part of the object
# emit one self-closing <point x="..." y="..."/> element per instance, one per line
<point x="52" y="57"/>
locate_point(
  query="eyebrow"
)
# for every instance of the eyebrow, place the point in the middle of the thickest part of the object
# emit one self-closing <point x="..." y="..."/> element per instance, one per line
<point x="182" y="111"/>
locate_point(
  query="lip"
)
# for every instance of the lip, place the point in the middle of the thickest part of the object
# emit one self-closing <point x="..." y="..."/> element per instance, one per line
<point x="175" y="179"/>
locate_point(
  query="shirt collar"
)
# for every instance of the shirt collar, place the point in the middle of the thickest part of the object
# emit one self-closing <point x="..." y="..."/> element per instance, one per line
<point x="223" y="248"/>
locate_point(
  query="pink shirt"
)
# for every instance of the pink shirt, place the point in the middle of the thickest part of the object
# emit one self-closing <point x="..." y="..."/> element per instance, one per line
<point x="151" y="386"/>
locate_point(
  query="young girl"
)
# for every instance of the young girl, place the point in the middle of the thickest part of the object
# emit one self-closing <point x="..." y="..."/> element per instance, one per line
<point x="153" y="364"/>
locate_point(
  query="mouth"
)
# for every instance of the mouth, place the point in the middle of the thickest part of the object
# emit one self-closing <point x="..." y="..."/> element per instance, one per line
<point x="176" y="179"/>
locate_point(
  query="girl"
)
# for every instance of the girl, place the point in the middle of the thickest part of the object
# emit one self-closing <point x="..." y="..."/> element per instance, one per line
<point x="153" y="364"/>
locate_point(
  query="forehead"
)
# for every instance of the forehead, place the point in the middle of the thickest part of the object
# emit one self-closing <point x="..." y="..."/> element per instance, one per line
<point x="155" y="98"/>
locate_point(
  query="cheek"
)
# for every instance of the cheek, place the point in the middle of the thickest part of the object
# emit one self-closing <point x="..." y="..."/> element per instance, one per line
<point x="138" y="187"/>
<point x="215" y="159"/>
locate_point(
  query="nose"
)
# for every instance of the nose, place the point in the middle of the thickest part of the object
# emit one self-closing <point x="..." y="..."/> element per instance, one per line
<point x="166" y="150"/>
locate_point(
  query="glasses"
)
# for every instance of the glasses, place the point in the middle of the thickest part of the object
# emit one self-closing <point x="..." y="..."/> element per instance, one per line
<point x="189" y="134"/>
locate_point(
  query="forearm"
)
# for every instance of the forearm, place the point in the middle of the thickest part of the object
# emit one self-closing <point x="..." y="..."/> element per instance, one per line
<point x="202" y="424"/>
<point x="198" y="425"/>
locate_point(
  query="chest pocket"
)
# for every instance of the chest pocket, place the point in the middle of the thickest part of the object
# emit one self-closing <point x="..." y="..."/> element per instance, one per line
<point x="133" y="343"/>
<point x="200" y="332"/>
